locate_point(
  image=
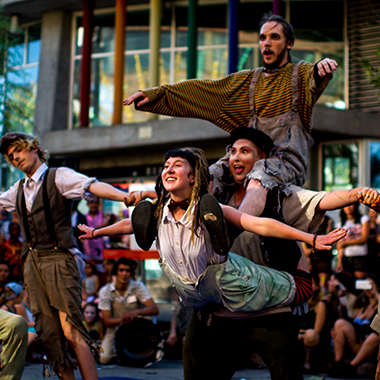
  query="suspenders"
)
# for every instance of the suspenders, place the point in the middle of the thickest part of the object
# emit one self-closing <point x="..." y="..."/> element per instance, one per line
<point x="47" y="211"/>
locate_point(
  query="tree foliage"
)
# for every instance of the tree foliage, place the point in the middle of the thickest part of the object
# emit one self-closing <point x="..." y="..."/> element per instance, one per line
<point x="372" y="72"/>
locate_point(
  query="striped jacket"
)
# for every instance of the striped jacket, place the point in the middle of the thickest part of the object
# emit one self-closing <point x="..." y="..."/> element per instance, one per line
<point x="225" y="102"/>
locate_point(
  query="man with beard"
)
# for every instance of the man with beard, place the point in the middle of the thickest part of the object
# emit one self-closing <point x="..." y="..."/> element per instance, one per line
<point x="277" y="99"/>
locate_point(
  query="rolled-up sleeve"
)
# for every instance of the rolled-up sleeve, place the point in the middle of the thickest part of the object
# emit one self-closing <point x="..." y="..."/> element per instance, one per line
<point x="8" y="198"/>
<point x="73" y="185"/>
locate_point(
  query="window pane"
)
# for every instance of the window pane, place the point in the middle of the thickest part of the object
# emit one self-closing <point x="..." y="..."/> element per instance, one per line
<point x="102" y="92"/>
<point x="34" y="44"/>
<point x="311" y="28"/>
<point x="340" y="166"/>
<point x="16" y="51"/>
<point x="333" y="96"/>
<point x="375" y="164"/>
<point x="180" y="66"/>
<point x="136" y="77"/>
<point x="212" y="63"/>
<point x="137" y="38"/>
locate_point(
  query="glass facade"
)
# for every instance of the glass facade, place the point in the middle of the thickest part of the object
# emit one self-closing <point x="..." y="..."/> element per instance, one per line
<point x="340" y="163"/>
<point x="312" y="44"/>
<point x="375" y="164"/>
<point x="19" y="89"/>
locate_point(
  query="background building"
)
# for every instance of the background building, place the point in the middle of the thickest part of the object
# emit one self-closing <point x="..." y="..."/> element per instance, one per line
<point x="79" y="59"/>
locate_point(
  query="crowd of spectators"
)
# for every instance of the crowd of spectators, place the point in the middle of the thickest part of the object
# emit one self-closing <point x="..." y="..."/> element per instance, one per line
<point x="335" y="335"/>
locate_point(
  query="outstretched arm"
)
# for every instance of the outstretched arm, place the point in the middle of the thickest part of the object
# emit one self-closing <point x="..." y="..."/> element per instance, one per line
<point x="341" y="198"/>
<point x="273" y="228"/>
<point x="107" y="191"/>
<point x="124" y="227"/>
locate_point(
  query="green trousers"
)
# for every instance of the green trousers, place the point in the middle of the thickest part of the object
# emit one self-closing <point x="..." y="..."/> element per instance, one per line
<point x="14" y="337"/>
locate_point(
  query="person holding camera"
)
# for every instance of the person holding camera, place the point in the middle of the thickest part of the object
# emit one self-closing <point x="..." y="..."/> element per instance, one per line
<point x="357" y="335"/>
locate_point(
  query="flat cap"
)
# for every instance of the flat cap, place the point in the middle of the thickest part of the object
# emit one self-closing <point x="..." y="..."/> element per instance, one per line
<point x="259" y="138"/>
<point x="11" y="137"/>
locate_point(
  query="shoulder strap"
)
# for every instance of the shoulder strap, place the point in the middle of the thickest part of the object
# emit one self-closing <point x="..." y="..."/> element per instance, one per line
<point x="252" y="88"/>
<point x="24" y="212"/>
<point x="295" y="90"/>
<point x="47" y="209"/>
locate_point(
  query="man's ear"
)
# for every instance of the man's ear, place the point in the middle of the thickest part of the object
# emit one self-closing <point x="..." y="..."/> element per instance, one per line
<point x="192" y="177"/>
<point x="289" y="45"/>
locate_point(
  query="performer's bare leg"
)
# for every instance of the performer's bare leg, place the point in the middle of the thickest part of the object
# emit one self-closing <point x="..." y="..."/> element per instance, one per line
<point x="86" y="361"/>
<point x="255" y="198"/>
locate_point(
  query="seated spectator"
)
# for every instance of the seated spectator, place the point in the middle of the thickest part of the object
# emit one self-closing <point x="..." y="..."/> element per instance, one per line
<point x="92" y="321"/>
<point x="90" y="283"/>
<point x="120" y="303"/>
<point x="313" y="332"/>
<point x="108" y="265"/>
<point x="178" y="325"/>
<point x="374" y="243"/>
<point x="355" y="335"/>
<point x="11" y="252"/>
<point x="353" y="249"/>
<point x="4" y="278"/>
<point x="13" y="295"/>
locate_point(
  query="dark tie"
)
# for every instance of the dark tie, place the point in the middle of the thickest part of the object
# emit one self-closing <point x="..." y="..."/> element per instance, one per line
<point x="182" y="204"/>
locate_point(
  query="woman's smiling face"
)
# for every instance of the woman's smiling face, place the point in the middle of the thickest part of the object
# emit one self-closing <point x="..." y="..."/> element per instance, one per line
<point x="178" y="177"/>
<point x="244" y="154"/>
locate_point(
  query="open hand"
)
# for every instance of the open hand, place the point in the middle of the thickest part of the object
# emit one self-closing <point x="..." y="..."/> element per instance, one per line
<point x="87" y="231"/>
<point x="134" y="97"/>
<point x="326" y="66"/>
<point x="323" y="242"/>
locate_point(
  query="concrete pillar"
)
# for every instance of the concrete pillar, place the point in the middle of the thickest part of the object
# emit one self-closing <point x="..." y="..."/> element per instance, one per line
<point x="52" y="101"/>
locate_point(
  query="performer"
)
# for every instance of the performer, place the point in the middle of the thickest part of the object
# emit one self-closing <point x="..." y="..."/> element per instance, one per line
<point x="14" y="339"/>
<point x="43" y="204"/>
<point x="277" y="99"/>
<point x="199" y="275"/>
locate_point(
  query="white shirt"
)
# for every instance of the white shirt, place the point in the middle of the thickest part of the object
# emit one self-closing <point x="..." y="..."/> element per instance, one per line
<point x="187" y="256"/>
<point x="70" y="184"/>
<point x="355" y="232"/>
<point x="109" y="294"/>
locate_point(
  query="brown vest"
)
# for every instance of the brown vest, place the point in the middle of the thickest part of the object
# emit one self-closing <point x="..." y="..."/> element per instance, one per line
<point x="56" y="214"/>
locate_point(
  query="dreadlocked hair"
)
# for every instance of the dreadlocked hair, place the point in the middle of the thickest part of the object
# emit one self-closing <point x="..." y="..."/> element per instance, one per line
<point x="199" y="165"/>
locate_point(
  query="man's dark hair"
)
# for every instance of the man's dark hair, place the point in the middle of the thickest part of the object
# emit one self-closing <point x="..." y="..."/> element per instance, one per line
<point x="123" y="260"/>
<point x="288" y="29"/>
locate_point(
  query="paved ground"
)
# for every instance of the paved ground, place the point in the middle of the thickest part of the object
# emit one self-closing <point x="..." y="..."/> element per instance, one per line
<point x="164" y="370"/>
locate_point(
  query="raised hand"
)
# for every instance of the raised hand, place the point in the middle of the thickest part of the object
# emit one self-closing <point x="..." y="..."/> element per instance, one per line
<point x="326" y="66"/>
<point x="135" y="96"/>
<point x="87" y="231"/>
<point x="370" y="197"/>
<point x="323" y="242"/>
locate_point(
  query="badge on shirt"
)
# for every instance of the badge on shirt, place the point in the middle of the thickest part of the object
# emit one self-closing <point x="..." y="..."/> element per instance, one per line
<point x="131" y="299"/>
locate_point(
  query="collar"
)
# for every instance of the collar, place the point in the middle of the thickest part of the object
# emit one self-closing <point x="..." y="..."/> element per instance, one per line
<point x="274" y="69"/>
<point x="38" y="173"/>
<point x="186" y="220"/>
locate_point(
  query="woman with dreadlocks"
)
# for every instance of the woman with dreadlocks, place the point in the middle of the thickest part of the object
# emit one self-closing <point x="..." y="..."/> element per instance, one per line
<point x="199" y="275"/>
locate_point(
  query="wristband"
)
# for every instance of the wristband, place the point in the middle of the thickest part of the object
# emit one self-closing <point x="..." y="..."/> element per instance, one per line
<point x="314" y="240"/>
<point x="92" y="233"/>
